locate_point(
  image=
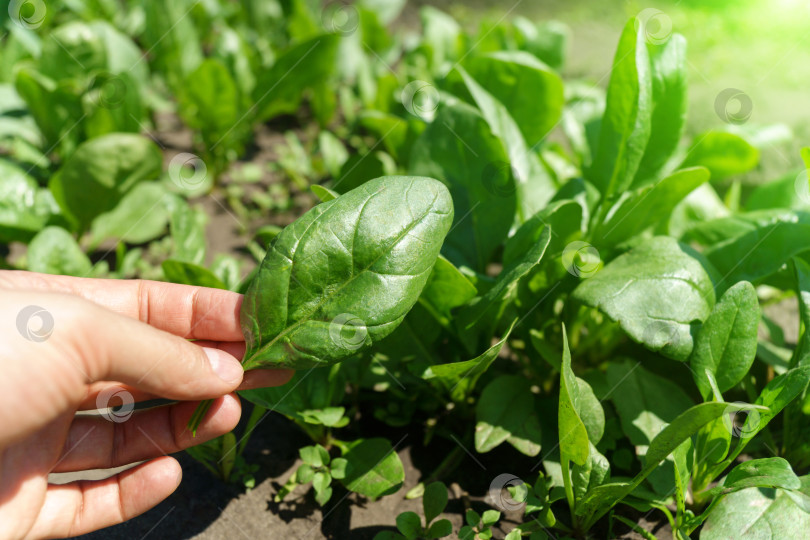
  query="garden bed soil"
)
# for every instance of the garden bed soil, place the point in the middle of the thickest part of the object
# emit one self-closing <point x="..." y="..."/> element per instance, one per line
<point x="204" y="508"/>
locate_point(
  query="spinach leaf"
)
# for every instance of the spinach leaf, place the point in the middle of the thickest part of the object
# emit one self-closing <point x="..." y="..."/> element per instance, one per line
<point x="758" y="513"/>
<point x="726" y="344"/>
<point x="530" y="90"/>
<point x="669" y="100"/>
<point x="657" y="292"/>
<point x="724" y="154"/>
<point x="23" y="208"/>
<point x="345" y="274"/>
<point x="460" y="378"/>
<point x="506" y="412"/>
<point x="773" y="238"/>
<point x="373" y="469"/>
<point x="460" y="149"/>
<point x="54" y="251"/>
<point x="140" y="216"/>
<point x="102" y="170"/>
<point x="625" y="128"/>
<point x="772" y="472"/>
<point x="573" y="434"/>
<point x="648" y="205"/>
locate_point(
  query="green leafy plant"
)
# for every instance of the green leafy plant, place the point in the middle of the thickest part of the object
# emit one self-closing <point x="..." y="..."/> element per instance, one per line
<point x="495" y="255"/>
<point x="409" y="524"/>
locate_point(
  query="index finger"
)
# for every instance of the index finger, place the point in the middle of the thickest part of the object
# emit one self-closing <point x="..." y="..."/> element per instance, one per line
<point x="183" y="310"/>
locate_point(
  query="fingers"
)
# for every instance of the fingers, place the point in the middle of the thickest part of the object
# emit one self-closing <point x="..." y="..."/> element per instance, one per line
<point x="94" y="442"/>
<point x="85" y="506"/>
<point x="258" y="378"/>
<point x="183" y="310"/>
<point x="117" y="348"/>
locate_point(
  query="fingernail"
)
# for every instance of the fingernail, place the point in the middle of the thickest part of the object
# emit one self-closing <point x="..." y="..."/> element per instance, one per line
<point x="224" y="365"/>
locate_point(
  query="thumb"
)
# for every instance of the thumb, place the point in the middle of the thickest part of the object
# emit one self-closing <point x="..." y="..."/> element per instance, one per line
<point x="157" y="362"/>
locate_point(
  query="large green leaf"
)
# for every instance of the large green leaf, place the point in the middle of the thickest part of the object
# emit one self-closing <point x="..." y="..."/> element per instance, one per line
<point x="373" y="469"/>
<point x="55" y="251"/>
<point x="460" y="149"/>
<point x="657" y="292"/>
<point x="757" y="513"/>
<point x="23" y="209"/>
<point x="573" y="435"/>
<point x="724" y="154"/>
<point x="772" y="472"/>
<point x="482" y="316"/>
<point x="459" y="378"/>
<point x="668" y="63"/>
<point x="648" y="205"/>
<point x="345" y="274"/>
<point x="598" y="501"/>
<point x="280" y="89"/>
<point x="140" y="216"/>
<point x="529" y="89"/>
<point x="102" y="170"/>
<point x="72" y="51"/>
<point x="532" y="192"/>
<point x="726" y="344"/>
<point x="625" y="127"/>
<point x="210" y="102"/>
<point x="446" y="289"/>
<point x="636" y="393"/>
<point x="771" y="240"/>
<point x="802" y="271"/>
<point x="506" y="412"/>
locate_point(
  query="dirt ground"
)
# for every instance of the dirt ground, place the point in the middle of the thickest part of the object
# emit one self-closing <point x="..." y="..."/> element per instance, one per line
<point x="206" y="509"/>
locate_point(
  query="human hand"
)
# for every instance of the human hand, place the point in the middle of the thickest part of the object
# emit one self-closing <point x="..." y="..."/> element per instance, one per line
<point x="100" y="338"/>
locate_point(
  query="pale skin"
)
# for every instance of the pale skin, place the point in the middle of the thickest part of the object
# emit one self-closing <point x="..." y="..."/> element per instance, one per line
<point x="132" y="335"/>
